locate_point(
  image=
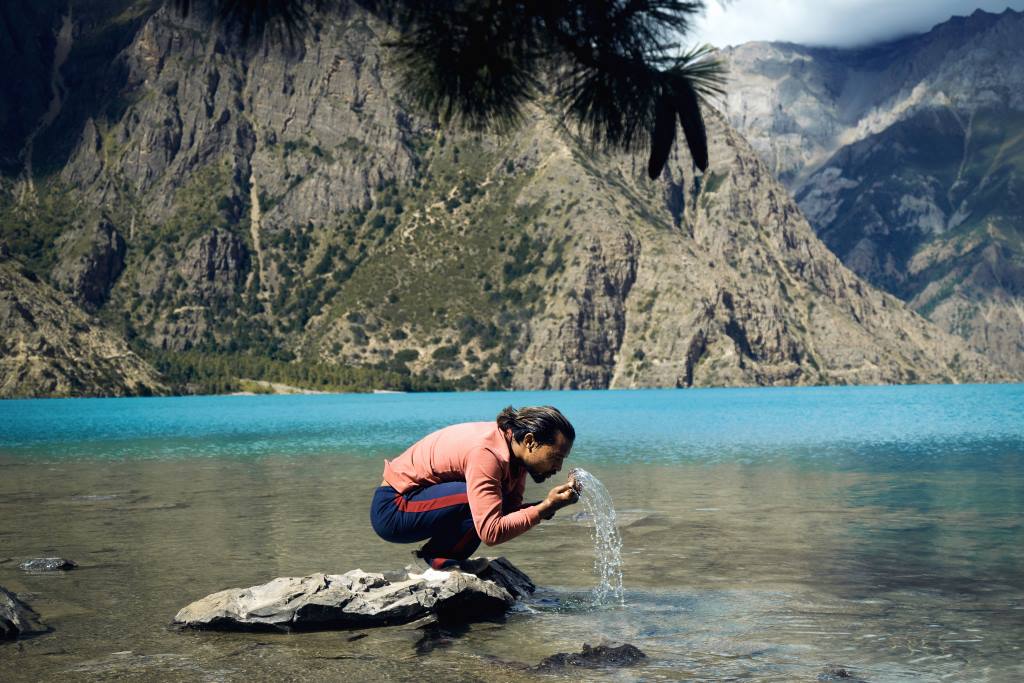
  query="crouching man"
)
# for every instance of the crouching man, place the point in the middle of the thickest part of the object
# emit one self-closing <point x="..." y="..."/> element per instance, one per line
<point x="464" y="483"/>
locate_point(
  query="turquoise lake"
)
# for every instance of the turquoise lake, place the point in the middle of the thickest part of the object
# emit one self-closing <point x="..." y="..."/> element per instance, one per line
<point x="767" y="533"/>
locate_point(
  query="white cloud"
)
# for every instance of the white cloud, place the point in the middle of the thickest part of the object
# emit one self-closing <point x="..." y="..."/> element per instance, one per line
<point x="830" y="22"/>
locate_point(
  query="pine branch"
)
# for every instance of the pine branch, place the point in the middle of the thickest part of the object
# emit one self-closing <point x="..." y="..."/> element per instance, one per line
<point x="614" y="66"/>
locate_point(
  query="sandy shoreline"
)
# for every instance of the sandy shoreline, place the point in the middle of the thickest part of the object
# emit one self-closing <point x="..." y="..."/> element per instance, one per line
<point x="259" y="387"/>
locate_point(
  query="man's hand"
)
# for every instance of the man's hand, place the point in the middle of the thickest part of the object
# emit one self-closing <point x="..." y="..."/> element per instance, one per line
<point x="558" y="498"/>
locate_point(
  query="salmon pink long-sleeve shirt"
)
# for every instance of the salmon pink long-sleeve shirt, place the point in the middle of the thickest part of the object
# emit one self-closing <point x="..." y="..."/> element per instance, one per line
<point x="477" y="453"/>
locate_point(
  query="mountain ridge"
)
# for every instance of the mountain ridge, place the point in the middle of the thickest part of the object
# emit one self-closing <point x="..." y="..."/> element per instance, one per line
<point x="907" y="159"/>
<point x="289" y="205"/>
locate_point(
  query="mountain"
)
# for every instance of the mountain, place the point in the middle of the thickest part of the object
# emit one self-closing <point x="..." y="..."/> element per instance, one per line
<point x="51" y="348"/>
<point x="908" y="160"/>
<point x="217" y="202"/>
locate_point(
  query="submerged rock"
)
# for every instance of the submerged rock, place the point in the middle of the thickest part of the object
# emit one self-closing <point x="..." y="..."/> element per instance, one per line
<point x="17" y="618"/>
<point x="594" y="657"/>
<point x="359" y="599"/>
<point x="47" y="564"/>
<point x="831" y="672"/>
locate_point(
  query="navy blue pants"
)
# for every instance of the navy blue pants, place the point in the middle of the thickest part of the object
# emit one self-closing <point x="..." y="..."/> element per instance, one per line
<point x="439" y="512"/>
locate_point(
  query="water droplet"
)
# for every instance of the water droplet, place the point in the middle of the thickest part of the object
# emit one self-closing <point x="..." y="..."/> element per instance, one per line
<point x="605" y="533"/>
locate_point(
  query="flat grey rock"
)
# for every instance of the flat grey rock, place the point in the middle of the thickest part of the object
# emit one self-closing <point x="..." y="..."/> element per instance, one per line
<point x="47" y="564"/>
<point x="359" y="599"/>
<point x="17" y="618"/>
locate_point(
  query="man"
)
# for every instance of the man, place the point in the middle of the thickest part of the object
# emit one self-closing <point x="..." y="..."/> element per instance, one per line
<point x="464" y="483"/>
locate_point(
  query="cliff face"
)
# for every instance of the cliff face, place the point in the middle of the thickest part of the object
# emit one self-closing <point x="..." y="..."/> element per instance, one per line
<point x="741" y="292"/>
<point x="907" y="159"/>
<point x="51" y="348"/>
<point x="90" y="260"/>
<point x="251" y="198"/>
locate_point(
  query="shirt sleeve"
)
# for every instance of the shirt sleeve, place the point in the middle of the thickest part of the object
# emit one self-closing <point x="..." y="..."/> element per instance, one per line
<point x="486" y="504"/>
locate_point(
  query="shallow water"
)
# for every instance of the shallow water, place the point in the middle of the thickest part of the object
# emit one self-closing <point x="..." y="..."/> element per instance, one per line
<point x="766" y="533"/>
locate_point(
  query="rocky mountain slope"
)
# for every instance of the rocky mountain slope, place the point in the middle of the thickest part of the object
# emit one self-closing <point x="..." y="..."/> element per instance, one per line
<point x="51" y="348"/>
<point x="240" y="201"/>
<point x="908" y="160"/>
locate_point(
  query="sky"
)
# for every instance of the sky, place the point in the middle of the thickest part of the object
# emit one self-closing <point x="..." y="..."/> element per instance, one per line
<point x="840" y="23"/>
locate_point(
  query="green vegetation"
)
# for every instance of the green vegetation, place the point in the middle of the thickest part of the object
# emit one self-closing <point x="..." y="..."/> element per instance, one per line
<point x="523" y="259"/>
<point x="448" y="264"/>
<point x="994" y="163"/>
<point x="713" y="181"/>
<point x="304" y="147"/>
<point x="947" y="290"/>
<point x="215" y="373"/>
<point x="445" y="353"/>
<point x="31" y="231"/>
<point x="206" y="202"/>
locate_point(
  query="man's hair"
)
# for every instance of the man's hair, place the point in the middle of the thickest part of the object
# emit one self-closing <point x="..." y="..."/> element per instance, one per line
<point x="544" y="422"/>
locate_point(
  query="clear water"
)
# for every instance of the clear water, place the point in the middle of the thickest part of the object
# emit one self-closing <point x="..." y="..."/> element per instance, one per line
<point x="599" y="512"/>
<point x="766" y="533"/>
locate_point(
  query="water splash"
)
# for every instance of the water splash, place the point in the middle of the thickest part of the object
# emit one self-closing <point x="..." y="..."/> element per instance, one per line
<point x="607" y="541"/>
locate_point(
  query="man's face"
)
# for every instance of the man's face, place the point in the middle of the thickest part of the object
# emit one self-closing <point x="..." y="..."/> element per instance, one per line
<point x="544" y="460"/>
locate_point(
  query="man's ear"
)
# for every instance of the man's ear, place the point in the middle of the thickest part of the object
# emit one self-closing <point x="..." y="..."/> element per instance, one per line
<point x="529" y="441"/>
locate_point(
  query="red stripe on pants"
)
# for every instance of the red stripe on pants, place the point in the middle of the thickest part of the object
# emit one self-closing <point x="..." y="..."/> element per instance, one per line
<point x="427" y="505"/>
<point x="457" y="550"/>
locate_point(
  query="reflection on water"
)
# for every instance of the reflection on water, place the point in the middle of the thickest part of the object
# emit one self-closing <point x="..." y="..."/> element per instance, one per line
<point x="898" y="564"/>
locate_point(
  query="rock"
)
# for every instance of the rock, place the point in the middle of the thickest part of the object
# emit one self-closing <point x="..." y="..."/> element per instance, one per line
<point x="208" y="274"/>
<point x="213" y="267"/>
<point x="594" y="657"/>
<point x="17" y="618"/>
<point x="881" y="159"/>
<point x="47" y="564"/>
<point x="508" y="576"/>
<point x="90" y="261"/>
<point x="831" y="672"/>
<point x="50" y="347"/>
<point x="358" y="599"/>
